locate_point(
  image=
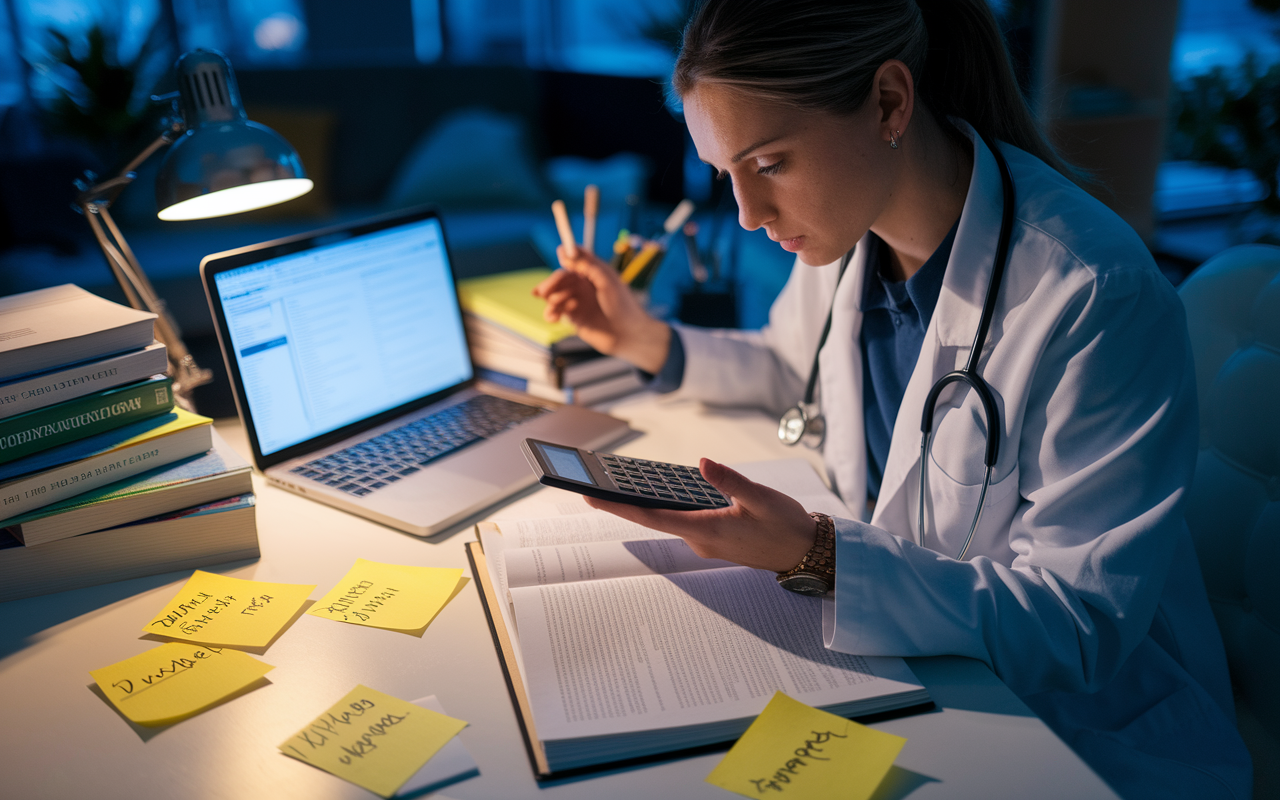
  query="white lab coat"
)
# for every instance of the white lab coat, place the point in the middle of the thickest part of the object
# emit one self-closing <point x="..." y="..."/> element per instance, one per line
<point x="1081" y="589"/>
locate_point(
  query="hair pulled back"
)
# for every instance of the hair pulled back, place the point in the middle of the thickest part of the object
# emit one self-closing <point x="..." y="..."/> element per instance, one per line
<point x="821" y="55"/>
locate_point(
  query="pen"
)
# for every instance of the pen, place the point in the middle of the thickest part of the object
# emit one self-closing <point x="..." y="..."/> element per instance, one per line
<point x="566" y="230"/>
<point x="621" y="250"/>
<point x="590" y="207"/>
<point x="652" y="248"/>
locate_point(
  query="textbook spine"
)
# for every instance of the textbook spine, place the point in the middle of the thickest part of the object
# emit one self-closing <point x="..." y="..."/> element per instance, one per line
<point x="49" y="486"/>
<point x="48" y="427"/>
<point x="68" y="383"/>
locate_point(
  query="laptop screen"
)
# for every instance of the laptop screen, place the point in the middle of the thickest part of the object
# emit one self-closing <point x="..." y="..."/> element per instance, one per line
<point x="336" y="333"/>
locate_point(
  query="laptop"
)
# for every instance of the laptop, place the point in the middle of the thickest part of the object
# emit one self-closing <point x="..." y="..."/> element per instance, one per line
<point x="349" y="362"/>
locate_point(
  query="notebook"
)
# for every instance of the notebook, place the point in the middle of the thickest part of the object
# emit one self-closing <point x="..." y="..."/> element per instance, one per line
<point x="348" y="358"/>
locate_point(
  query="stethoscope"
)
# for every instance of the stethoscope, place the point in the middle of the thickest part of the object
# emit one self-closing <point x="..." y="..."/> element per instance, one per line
<point x="804" y="422"/>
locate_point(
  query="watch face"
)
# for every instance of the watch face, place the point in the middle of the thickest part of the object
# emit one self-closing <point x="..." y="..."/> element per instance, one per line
<point x="804" y="583"/>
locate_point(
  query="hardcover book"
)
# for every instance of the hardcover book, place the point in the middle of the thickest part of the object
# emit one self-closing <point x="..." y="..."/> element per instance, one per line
<point x="67" y="383"/>
<point x="619" y="643"/>
<point x="506" y="299"/>
<point x="51" y="426"/>
<point x="495" y="348"/>
<point x="64" y="325"/>
<point x="212" y="533"/>
<point x="78" y="467"/>
<point x="215" y="475"/>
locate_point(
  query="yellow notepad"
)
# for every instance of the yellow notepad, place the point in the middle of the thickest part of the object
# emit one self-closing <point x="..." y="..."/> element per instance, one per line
<point x="372" y="739"/>
<point x="177" y="680"/>
<point x="390" y="596"/>
<point x="803" y="752"/>
<point x="232" y="612"/>
<point x="507" y="299"/>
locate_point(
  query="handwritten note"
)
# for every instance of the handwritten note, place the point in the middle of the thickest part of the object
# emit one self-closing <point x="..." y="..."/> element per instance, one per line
<point x="176" y="680"/>
<point x="389" y="596"/>
<point x="229" y="612"/>
<point x="372" y="739"/>
<point x="795" y="750"/>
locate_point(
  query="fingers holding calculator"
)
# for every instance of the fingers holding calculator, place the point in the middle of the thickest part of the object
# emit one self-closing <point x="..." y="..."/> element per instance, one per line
<point x="635" y="481"/>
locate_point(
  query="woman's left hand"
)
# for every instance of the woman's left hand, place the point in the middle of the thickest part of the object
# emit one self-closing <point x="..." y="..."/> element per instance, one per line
<point x="763" y="528"/>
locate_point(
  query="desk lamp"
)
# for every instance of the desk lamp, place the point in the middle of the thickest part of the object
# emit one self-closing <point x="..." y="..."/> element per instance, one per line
<point x="219" y="163"/>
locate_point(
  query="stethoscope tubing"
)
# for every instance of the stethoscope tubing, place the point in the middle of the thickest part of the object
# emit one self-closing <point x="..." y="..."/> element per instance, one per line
<point x="969" y="374"/>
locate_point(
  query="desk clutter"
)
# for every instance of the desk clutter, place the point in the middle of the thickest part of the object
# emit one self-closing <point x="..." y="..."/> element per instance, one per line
<point x="368" y="738"/>
<point x="102" y="478"/>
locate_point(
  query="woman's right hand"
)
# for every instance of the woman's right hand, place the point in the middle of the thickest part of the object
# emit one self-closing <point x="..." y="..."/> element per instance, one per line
<point x="589" y="293"/>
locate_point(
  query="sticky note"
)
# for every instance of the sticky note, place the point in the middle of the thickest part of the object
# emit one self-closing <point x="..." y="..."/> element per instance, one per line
<point x="390" y="596"/>
<point x="229" y="612"/>
<point x="176" y="680"/>
<point x="795" y="750"/>
<point x="372" y="739"/>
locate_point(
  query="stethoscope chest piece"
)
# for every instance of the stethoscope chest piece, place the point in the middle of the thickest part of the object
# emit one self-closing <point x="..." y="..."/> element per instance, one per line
<point x="800" y="424"/>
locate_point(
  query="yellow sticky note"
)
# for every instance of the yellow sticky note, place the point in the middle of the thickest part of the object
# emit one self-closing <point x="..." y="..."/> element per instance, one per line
<point x="794" y="750"/>
<point x="229" y="612"/>
<point x="390" y="596"/>
<point x="176" y="680"/>
<point x="372" y="739"/>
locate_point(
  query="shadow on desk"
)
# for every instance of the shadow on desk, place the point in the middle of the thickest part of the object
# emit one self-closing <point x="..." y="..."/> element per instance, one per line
<point x="25" y="619"/>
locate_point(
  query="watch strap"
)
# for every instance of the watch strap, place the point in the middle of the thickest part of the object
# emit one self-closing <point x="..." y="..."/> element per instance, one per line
<point x="820" y="562"/>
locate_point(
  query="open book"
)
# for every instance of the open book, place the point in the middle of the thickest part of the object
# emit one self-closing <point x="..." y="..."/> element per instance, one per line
<point x="620" y="643"/>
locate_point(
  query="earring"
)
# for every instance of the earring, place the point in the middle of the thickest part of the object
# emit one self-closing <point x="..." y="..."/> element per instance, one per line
<point x="893" y="139"/>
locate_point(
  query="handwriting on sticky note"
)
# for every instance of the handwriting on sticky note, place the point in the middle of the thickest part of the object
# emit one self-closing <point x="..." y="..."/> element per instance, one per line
<point x="176" y="680"/>
<point x="799" y="751"/>
<point x="233" y="612"/>
<point x="372" y="739"/>
<point x="390" y="596"/>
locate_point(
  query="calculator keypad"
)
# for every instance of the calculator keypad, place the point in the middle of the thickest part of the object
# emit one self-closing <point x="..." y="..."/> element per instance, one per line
<point x="671" y="483"/>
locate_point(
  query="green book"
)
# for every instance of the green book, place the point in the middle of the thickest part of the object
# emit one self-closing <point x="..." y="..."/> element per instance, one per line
<point x="59" y="424"/>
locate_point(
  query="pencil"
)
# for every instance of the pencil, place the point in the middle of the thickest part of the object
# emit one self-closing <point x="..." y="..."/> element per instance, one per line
<point x="642" y="259"/>
<point x="590" y="207"/>
<point x="566" y="230"/>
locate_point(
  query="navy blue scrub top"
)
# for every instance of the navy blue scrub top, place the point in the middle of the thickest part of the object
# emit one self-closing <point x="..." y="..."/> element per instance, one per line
<point x="895" y="316"/>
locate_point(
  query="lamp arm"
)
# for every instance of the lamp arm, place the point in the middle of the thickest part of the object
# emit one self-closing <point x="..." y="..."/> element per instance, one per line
<point x="107" y="191"/>
<point x="93" y="201"/>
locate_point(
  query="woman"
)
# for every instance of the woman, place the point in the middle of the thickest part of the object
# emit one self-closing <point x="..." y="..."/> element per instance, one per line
<point x="863" y="133"/>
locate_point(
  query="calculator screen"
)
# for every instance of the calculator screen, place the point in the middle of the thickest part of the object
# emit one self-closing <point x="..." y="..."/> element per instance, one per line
<point x="566" y="463"/>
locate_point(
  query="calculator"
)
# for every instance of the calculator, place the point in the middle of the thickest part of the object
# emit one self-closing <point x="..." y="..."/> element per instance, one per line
<point x="652" y="484"/>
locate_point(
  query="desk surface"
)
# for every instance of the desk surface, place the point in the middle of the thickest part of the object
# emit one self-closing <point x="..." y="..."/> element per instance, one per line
<point x="60" y="739"/>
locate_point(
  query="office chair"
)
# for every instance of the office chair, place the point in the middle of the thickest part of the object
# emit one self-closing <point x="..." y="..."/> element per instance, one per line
<point x="1233" y="508"/>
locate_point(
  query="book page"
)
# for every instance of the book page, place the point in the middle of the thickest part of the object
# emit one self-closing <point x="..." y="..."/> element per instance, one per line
<point x="590" y="561"/>
<point x="663" y="651"/>
<point x="592" y="526"/>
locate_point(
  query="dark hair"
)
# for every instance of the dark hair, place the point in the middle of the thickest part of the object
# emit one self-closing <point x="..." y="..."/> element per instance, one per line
<point x="822" y="56"/>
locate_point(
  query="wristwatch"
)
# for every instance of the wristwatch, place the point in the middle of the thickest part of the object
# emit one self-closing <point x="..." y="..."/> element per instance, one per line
<point x="816" y="573"/>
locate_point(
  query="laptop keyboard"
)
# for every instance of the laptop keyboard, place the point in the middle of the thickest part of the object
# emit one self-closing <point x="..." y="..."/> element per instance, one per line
<point x="378" y="462"/>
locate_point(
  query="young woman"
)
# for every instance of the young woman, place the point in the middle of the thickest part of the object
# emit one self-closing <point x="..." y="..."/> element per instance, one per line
<point x="886" y="144"/>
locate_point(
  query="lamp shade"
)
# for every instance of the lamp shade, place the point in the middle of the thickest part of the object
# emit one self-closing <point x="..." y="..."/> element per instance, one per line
<point x="222" y="163"/>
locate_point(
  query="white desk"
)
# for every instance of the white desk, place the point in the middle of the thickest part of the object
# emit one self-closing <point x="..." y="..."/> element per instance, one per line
<point x="61" y="740"/>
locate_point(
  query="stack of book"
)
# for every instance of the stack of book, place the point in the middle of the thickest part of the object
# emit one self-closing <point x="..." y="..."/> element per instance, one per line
<point x="514" y="346"/>
<point x="101" y="477"/>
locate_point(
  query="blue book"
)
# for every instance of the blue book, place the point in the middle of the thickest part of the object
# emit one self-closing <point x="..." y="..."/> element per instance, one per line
<point x="193" y="481"/>
<point x="84" y="448"/>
